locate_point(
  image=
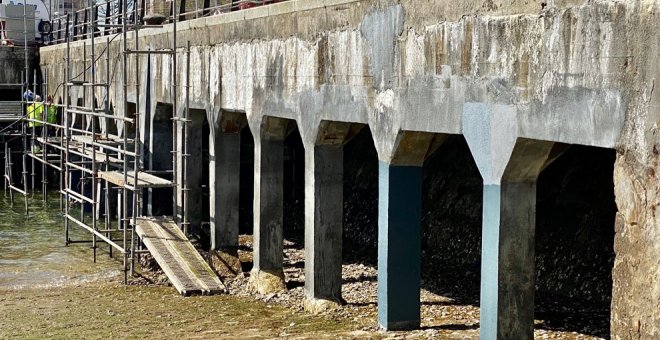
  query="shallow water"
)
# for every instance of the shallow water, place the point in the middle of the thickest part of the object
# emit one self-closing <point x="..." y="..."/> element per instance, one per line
<point x="32" y="250"/>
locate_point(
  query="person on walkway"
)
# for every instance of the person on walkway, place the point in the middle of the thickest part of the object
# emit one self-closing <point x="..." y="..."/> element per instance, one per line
<point x="35" y="114"/>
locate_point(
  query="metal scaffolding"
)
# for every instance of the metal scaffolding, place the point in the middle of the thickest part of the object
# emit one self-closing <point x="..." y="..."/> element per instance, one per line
<point x="8" y="133"/>
<point x="92" y="163"/>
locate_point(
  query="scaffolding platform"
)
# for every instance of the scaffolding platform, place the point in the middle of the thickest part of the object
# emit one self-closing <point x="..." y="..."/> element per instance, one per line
<point x="49" y="140"/>
<point x="49" y="156"/>
<point x="144" y="180"/>
<point x="100" y="139"/>
<point x="100" y="156"/>
<point x="180" y="261"/>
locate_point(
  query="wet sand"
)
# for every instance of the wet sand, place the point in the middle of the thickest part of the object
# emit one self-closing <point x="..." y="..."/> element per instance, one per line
<point x="49" y="290"/>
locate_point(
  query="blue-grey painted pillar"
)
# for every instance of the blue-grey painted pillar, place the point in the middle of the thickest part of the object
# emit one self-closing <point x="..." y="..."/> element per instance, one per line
<point x="509" y="167"/>
<point x="399" y="245"/>
<point x="507" y="278"/>
<point x="399" y="230"/>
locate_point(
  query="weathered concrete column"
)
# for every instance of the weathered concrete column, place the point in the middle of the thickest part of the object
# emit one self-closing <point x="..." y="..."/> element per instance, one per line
<point x="324" y="199"/>
<point x="194" y="166"/>
<point x="507" y="277"/>
<point x="267" y="275"/>
<point x="399" y="232"/>
<point x="509" y="167"/>
<point x="224" y="179"/>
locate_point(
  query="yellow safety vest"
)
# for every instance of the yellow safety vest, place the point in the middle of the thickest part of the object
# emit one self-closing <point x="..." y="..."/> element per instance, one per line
<point x="35" y="111"/>
<point x="52" y="113"/>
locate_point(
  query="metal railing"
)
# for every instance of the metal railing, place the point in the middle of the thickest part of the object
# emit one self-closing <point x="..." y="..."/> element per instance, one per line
<point x="107" y="17"/>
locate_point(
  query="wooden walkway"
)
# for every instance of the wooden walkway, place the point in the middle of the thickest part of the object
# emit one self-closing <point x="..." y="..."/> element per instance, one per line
<point x="180" y="261"/>
<point x="145" y="180"/>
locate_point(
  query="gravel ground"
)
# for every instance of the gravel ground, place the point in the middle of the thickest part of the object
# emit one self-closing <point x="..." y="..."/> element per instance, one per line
<point x="442" y="316"/>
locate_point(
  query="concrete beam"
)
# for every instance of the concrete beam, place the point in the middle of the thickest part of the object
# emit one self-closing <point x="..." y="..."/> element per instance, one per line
<point x="413" y="147"/>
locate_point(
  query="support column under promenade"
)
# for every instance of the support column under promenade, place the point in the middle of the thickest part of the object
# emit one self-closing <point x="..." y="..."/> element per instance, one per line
<point x="224" y="179"/>
<point x="194" y="170"/>
<point x="399" y="245"/>
<point x="509" y="167"/>
<point x="324" y="199"/>
<point x="267" y="275"/>
<point x="507" y="278"/>
<point x="399" y="232"/>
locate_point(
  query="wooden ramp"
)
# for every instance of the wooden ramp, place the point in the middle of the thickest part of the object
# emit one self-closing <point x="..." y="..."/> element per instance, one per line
<point x="180" y="261"/>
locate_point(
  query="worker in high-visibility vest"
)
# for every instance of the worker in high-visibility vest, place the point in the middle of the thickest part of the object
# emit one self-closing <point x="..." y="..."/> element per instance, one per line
<point x="51" y="115"/>
<point x="35" y="114"/>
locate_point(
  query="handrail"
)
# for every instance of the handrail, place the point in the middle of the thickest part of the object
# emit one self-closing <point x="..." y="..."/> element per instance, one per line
<point x="71" y="26"/>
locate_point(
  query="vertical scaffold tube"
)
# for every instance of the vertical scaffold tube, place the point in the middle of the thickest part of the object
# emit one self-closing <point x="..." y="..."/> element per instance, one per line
<point x="92" y="76"/>
<point x="124" y="197"/>
<point x="136" y="141"/>
<point x="66" y="135"/>
<point x="175" y="126"/>
<point x="186" y="133"/>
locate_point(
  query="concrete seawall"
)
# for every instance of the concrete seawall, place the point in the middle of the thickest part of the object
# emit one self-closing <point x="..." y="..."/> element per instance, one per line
<point x="518" y="81"/>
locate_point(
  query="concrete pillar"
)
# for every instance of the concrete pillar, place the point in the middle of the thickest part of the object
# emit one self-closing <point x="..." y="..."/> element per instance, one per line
<point x="399" y="232"/>
<point x="399" y="245"/>
<point x="194" y="166"/>
<point x="509" y="167"/>
<point x="224" y="179"/>
<point x="267" y="275"/>
<point x="324" y="199"/>
<point x="507" y="277"/>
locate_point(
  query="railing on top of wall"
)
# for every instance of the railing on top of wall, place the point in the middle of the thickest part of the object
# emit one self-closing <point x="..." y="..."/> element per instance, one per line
<point x="108" y="17"/>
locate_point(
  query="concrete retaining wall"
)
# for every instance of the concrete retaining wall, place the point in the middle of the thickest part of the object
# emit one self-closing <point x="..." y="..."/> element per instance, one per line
<point x="571" y="72"/>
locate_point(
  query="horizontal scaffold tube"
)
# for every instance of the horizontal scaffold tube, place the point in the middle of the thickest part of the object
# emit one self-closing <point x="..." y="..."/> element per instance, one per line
<point x="96" y="232"/>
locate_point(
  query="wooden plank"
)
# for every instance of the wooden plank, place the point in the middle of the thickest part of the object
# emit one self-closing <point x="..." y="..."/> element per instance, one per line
<point x="164" y="257"/>
<point x="110" y="140"/>
<point x="101" y="157"/>
<point x="50" y="140"/>
<point x="180" y="261"/>
<point x="195" y="262"/>
<point x="145" y="180"/>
